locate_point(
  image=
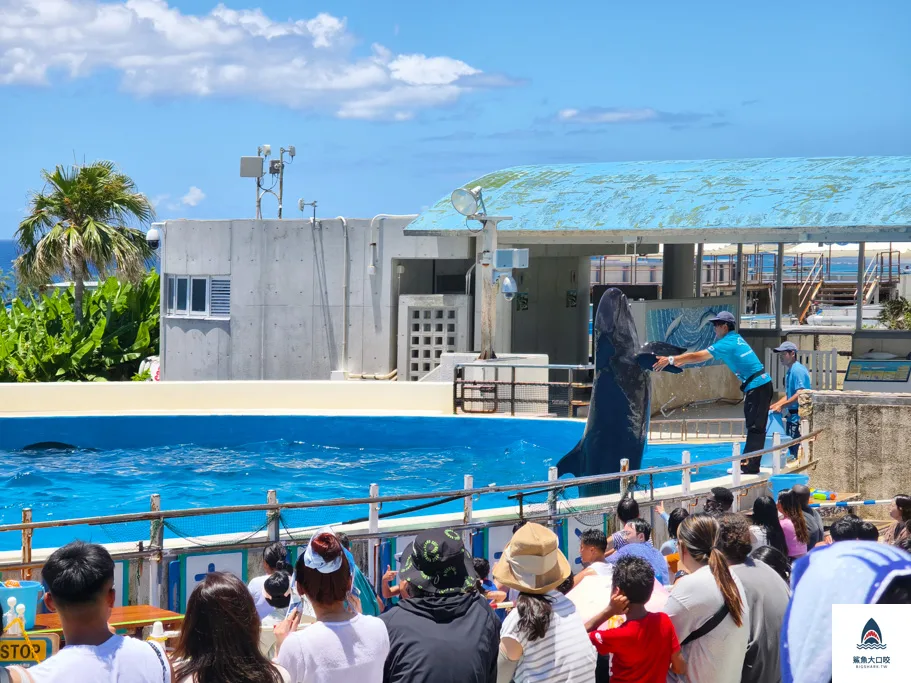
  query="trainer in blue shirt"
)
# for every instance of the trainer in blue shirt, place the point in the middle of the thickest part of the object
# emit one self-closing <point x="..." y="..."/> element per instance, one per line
<point x="755" y="382"/>
<point x="796" y="381"/>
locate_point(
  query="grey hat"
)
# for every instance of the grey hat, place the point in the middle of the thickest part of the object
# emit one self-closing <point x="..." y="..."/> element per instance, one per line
<point x="786" y="346"/>
<point x="724" y="317"/>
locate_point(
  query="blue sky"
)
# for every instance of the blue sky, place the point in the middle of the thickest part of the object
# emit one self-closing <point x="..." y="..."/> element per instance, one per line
<point x="392" y="104"/>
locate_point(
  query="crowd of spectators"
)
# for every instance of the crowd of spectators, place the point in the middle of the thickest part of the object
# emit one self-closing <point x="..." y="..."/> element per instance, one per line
<point x="751" y="602"/>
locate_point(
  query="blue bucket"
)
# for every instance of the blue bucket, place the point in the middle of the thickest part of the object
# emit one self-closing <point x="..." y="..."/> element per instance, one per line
<point x="28" y="593"/>
<point x="781" y="482"/>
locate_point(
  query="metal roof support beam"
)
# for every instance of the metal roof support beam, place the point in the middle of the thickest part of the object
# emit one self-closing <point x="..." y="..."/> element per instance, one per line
<point x="739" y="281"/>
<point x="779" y="286"/>
<point x="861" y="271"/>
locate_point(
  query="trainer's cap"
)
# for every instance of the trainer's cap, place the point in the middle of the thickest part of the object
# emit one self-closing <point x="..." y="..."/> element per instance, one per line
<point x="724" y="317"/>
<point x="786" y="346"/>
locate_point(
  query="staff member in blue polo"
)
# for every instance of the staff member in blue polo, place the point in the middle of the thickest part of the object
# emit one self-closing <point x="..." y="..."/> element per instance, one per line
<point x="756" y="384"/>
<point x="796" y="381"/>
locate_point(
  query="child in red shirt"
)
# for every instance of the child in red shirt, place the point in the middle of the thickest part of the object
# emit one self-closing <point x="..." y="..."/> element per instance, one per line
<point x="645" y="646"/>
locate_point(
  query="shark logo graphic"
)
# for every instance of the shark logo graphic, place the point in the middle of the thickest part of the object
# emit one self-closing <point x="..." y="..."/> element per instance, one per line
<point x="872" y="638"/>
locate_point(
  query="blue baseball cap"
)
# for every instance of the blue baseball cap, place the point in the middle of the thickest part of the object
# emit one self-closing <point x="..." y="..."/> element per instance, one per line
<point x="724" y="317"/>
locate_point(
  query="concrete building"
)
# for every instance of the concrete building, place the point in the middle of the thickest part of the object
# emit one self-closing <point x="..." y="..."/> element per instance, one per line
<point x="272" y="299"/>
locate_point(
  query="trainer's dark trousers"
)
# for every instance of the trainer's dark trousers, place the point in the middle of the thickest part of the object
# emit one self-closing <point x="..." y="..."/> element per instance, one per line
<point x="756" y="404"/>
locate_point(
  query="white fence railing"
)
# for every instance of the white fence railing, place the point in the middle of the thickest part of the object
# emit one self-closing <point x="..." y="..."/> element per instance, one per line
<point x="823" y="367"/>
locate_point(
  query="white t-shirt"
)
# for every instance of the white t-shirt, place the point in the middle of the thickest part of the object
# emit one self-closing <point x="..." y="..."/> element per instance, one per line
<point x="337" y="651"/>
<point x="758" y="536"/>
<point x="601" y="568"/>
<point x="718" y="655"/>
<point x="117" y="660"/>
<point x="257" y="590"/>
<point x="563" y="655"/>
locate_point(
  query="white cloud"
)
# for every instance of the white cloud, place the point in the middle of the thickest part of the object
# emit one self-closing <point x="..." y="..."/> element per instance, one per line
<point x="160" y="51"/>
<point x="193" y="196"/>
<point x="158" y="200"/>
<point x="621" y="115"/>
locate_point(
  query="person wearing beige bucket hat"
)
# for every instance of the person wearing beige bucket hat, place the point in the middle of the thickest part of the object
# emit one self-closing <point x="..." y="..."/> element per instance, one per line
<point x="543" y="638"/>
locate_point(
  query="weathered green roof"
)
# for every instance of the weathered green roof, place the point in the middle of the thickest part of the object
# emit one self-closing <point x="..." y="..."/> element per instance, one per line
<point x="747" y="200"/>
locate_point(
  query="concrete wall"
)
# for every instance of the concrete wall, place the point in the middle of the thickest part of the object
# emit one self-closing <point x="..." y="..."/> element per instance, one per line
<point x="287" y="296"/>
<point x="863" y="445"/>
<point x="107" y="398"/>
<point x="552" y="325"/>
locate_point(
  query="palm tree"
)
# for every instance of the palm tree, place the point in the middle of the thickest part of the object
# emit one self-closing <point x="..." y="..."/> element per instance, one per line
<point x="80" y="221"/>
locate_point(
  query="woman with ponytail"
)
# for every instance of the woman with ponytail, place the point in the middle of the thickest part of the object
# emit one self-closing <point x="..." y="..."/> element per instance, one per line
<point x="275" y="559"/>
<point x="793" y="524"/>
<point x="707" y="606"/>
<point x="342" y="645"/>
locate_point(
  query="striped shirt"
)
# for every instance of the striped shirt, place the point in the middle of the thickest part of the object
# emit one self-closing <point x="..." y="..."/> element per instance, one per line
<point x="565" y="653"/>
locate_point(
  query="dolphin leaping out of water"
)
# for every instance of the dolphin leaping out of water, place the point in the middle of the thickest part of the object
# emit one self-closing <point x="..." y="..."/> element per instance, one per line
<point x="619" y="412"/>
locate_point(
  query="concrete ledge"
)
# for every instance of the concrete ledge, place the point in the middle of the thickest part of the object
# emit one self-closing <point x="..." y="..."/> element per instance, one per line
<point x="118" y="398"/>
<point x="851" y="398"/>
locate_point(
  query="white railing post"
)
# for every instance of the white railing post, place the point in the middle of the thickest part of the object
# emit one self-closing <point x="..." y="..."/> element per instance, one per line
<point x="685" y="484"/>
<point x="735" y="472"/>
<point x="624" y="482"/>
<point x="467" y="511"/>
<point x="803" y="455"/>
<point x="776" y="454"/>
<point x="373" y="527"/>
<point x="274" y="521"/>
<point x="552" y="475"/>
<point x="156" y="540"/>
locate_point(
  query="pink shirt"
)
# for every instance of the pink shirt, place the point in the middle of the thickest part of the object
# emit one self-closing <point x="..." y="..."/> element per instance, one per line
<point x="795" y="548"/>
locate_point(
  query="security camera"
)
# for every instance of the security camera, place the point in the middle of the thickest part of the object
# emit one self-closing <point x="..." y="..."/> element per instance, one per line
<point x="508" y="287"/>
<point x="153" y="238"/>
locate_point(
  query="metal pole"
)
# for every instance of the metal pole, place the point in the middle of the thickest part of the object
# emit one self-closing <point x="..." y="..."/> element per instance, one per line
<point x="26" y="544"/>
<point x="467" y="512"/>
<point x="651" y="497"/>
<point x="861" y="269"/>
<point x="738" y="273"/>
<point x="274" y="522"/>
<point x="779" y="287"/>
<point x="700" y="249"/>
<point x="373" y="527"/>
<point x="281" y="180"/>
<point x="488" y="290"/>
<point x="259" y="199"/>
<point x="156" y="540"/>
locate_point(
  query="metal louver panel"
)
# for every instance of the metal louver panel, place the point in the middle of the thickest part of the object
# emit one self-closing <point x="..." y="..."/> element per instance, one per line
<point x="220" y="298"/>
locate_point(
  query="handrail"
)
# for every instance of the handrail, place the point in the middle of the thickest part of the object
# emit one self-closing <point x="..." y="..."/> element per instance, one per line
<point x="496" y="363"/>
<point x="811" y="279"/>
<point x="334" y="502"/>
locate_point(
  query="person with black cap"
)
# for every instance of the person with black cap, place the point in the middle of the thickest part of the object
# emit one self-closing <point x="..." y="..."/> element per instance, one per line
<point x="756" y="384"/>
<point x="719" y="501"/>
<point x="442" y="630"/>
<point x="796" y="381"/>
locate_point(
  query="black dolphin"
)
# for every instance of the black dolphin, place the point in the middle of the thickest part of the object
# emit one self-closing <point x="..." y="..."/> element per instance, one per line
<point x="619" y="412"/>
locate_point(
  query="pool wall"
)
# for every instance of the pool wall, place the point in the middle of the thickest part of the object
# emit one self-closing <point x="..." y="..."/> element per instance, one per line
<point x="118" y="398"/>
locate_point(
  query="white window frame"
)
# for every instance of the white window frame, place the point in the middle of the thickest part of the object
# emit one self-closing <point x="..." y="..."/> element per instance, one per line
<point x="171" y="311"/>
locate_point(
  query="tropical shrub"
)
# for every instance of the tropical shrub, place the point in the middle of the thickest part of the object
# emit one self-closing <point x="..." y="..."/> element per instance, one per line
<point x="42" y="341"/>
<point x="896" y="314"/>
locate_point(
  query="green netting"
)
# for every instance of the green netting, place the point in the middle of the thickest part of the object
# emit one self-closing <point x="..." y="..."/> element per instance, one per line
<point x="300" y="523"/>
<point x="123" y="532"/>
<point x="218" y="529"/>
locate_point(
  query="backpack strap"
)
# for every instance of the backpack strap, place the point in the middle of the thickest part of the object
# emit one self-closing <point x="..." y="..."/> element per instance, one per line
<point x="164" y="666"/>
<point x="708" y="626"/>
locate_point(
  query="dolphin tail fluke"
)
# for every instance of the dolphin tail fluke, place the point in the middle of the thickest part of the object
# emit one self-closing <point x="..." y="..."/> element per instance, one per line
<point x="571" y="463"/>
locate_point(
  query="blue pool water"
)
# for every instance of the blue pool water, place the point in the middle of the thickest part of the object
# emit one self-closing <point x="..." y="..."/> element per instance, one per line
<point x="205" y="461"/>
